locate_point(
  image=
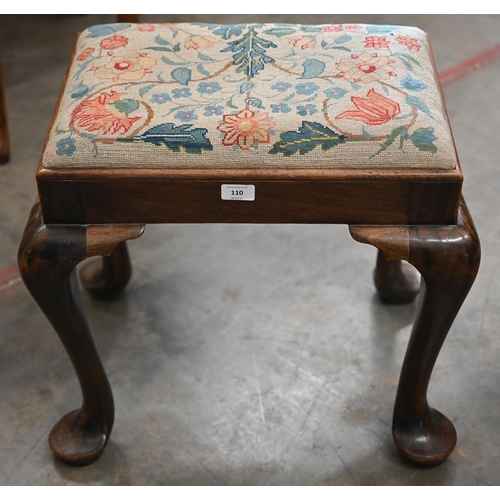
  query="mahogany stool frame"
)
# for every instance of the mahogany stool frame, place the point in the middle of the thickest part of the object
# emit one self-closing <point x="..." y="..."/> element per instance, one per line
<point x="416" y="215"/>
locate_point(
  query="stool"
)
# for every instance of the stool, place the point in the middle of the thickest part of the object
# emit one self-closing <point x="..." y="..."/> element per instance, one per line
<point x="251" y="123"/>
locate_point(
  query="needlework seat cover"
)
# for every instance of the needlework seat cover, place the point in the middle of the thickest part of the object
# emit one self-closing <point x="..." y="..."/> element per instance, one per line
<point x="251" y="96"/>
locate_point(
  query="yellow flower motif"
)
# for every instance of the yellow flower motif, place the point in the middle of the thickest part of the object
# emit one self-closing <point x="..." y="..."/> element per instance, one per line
<point x="128" y="66"/>
<point x="200" y="42"/>
<point x="245" y="129"/>
<point x="366" y="68"/>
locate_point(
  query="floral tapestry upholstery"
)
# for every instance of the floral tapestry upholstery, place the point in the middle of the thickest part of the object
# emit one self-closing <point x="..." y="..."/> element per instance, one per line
<point x="251" y="96"/>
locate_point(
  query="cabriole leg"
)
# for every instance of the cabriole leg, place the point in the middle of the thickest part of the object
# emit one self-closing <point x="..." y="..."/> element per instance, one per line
<point x="448" y="260"/>
<point x="105" y="278"/>
<point x="395" y="280"/>
<point x="47" y="259"/>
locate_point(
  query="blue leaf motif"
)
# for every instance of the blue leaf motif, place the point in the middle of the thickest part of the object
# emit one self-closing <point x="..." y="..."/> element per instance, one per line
<point x="161" y="41"/>
<point x="381" y="29"/>
<point x="106" y="29"/>
<point x="343" y="39"/>
<point x="423" y="135"/>
<point x="203" y="57"/>
<point x="249" y="53"/>
<point x="245" y="87"/>
<point x="253" y="101"/>
<point x="202" y="70"/>
<point x="228" y="31"/>
<point x="308" y="28"/>
<point x="411" y="83"/>
<point x="79" y="91"/>
<point x="415" y="102"/>
<point x="281" y="31"/>
<point x="166" y="60"/>
<point x="145" y="90"/>
<point x="312" y="68"/>
<point x="181" y="75"/>
<point x="193" y="140"/>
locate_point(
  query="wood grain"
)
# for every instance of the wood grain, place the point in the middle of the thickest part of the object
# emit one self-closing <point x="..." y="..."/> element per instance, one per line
<point x="448" y="259"/>
<point x="47" y="259"/>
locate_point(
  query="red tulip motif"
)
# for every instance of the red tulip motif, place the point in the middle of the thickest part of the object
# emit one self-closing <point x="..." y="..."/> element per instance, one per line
<point x="374" y="109"/>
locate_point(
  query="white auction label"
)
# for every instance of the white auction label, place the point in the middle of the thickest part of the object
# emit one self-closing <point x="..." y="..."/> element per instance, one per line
<point x="238" y="192"/>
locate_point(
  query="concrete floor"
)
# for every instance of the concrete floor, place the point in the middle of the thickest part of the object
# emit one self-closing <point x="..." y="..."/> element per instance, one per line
<point x="248" y="354"/>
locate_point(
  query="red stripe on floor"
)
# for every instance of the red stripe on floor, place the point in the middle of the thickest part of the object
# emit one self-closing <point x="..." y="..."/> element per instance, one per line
<point x="470" y="66"/>
<point x="9" y="277"/>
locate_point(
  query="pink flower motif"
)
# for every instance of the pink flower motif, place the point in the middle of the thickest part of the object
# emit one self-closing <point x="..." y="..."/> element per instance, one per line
<point x="125" y="65"/>
<point x="245" y="129"/>
<point x="200" y="42"/>
<point x="302" y="41"/>
<point x="331" y="27"/>
<point x="86" y="53"/>
<point x="100" y="114"/>
<point x="374" y="109"/>
<point x="411" y="43"/>
<point x="352" y="26"/>
<point x="114" y="42"/>
<point x="366" y="68"/>
<point x="146" y="27"/>
<point x="376" y="42"/>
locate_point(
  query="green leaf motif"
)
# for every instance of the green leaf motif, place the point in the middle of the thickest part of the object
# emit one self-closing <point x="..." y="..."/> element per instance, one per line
<point x="230" y="104"/>
<point x="392" y="137"/>
<point x="249" y="53"/>
<point x="407" y="65"/>
<point x="423" y="139"/>
<point x="125" y="106"/>
<point x="411" y="58"/>
<point x="416" y="102"/>
<point x="309" y="136"/>
<point x="193" y="140"/>
<point x="160" y="49"/>
<point x="174" y="48"/>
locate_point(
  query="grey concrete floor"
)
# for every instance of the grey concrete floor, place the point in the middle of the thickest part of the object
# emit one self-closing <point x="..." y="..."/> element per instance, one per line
<point x="248" y="354"/>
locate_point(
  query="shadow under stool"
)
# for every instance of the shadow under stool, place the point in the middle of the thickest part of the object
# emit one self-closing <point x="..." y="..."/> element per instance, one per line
<point x="255" y="123"/>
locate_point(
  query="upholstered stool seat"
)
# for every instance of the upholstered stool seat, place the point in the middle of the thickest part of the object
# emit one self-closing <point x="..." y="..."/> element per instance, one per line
<point x="257" y="123"/>
<point x="258" y="95"/>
